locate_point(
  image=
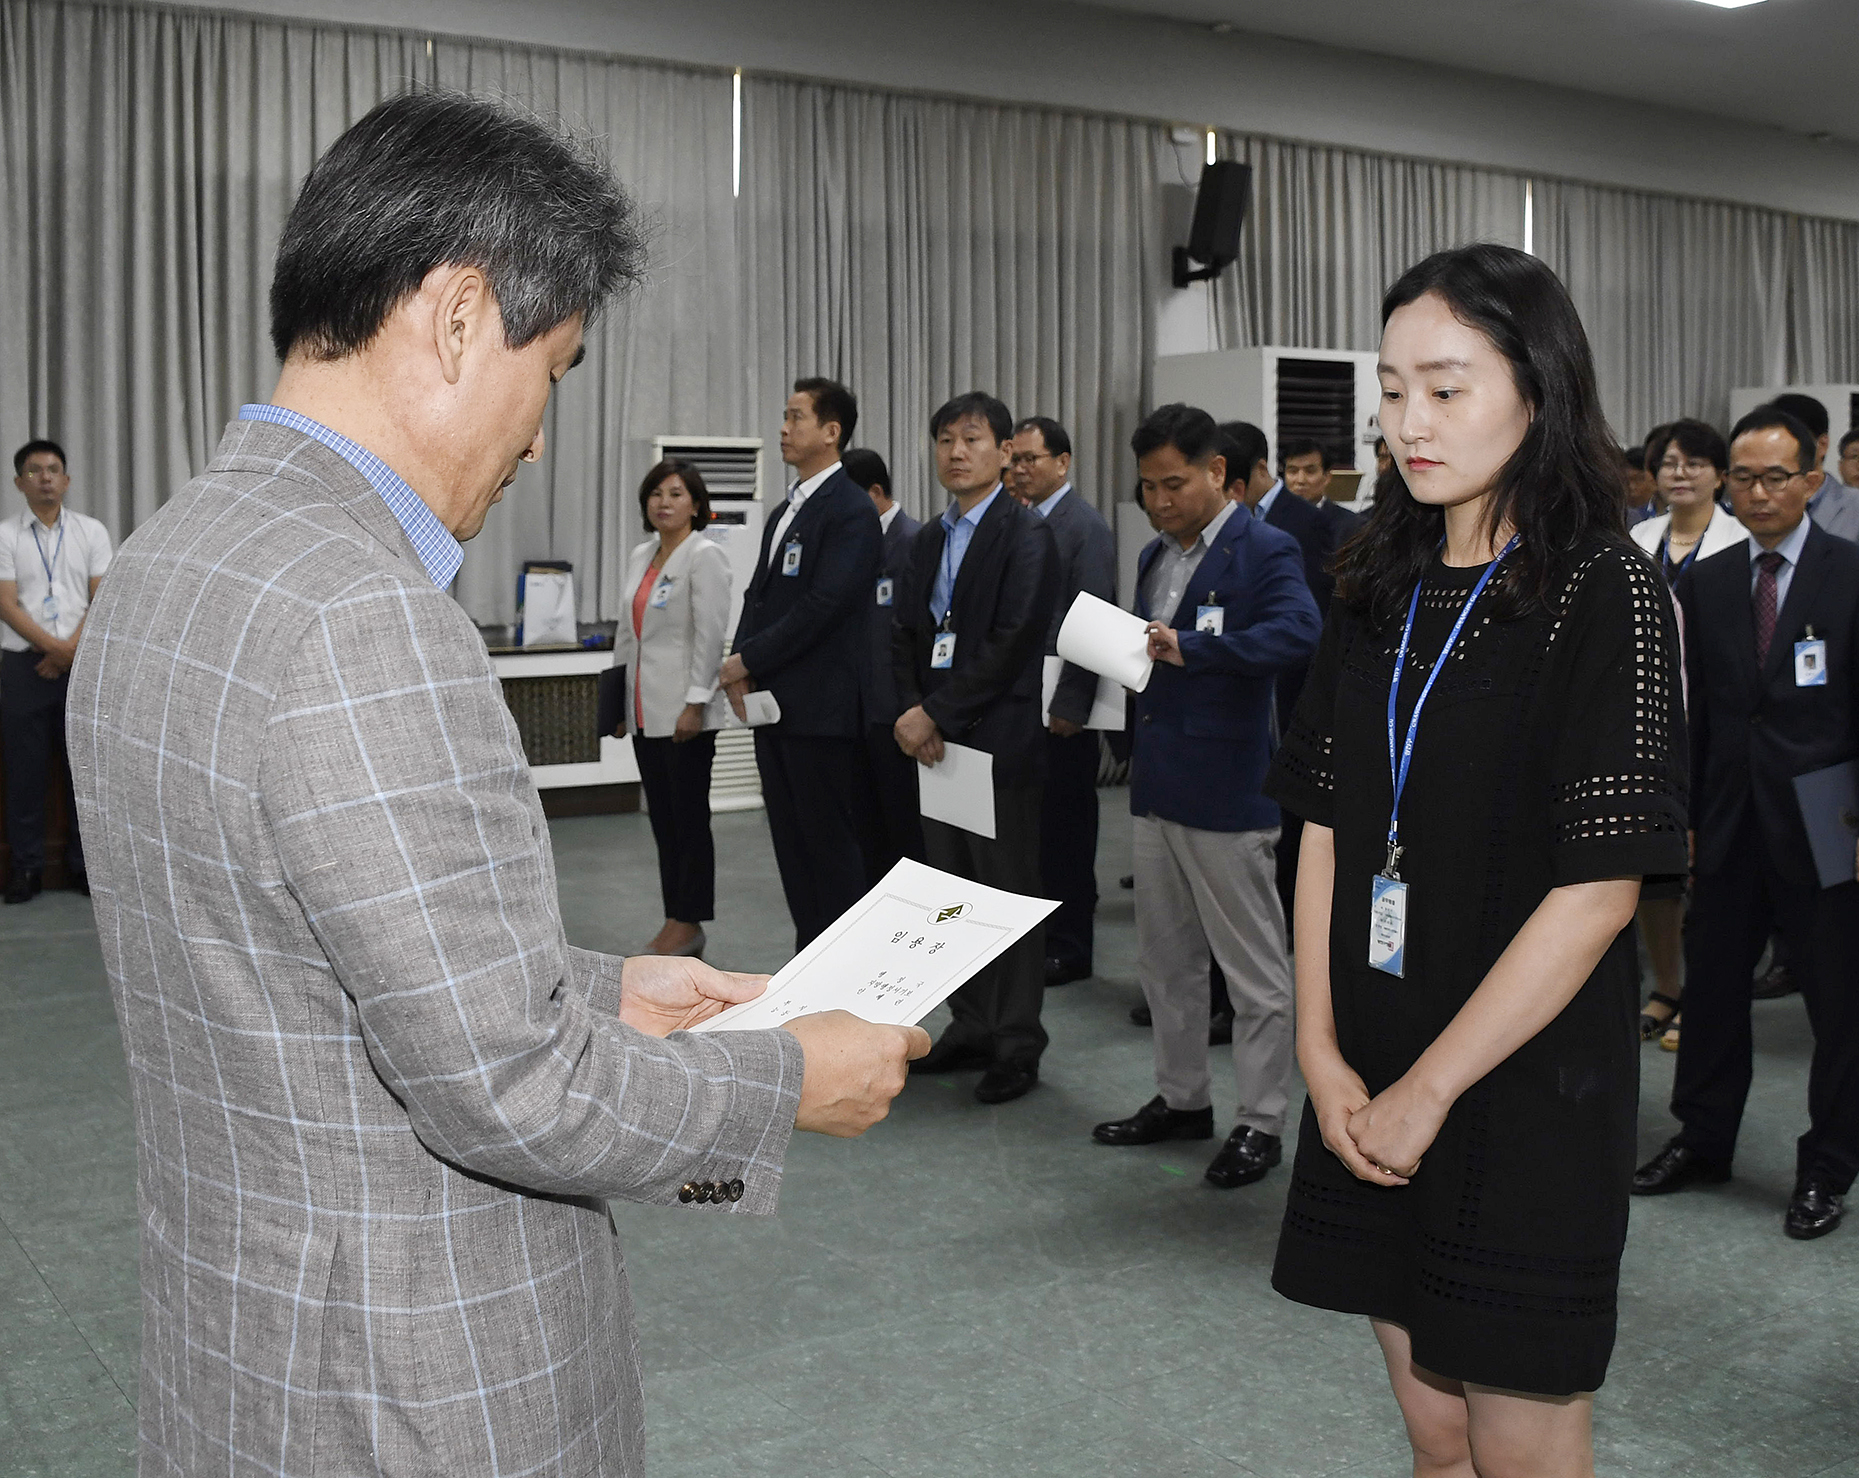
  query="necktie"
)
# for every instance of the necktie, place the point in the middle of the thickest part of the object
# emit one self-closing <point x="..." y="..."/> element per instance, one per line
<point x="1764" y="600"/>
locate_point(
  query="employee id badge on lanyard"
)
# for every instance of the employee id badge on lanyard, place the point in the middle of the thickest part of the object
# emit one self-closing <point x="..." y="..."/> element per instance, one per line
<point x="886" y="587"/>
<point x="1810" y="662"/>
<point x="790" y="557"/>
<point x="1387" y="900"/>
<point x="1210" y="618"/>
<point x="942" y="653"/>
<point x="661" y="595"/>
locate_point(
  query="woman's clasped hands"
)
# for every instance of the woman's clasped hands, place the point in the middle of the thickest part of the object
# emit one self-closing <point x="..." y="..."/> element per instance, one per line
<point x="1380" y="1139"/>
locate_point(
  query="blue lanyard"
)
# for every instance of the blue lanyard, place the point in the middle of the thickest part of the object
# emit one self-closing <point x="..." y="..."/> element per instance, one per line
<point x="1397" y="769"/>
<point x="57" y="549"/>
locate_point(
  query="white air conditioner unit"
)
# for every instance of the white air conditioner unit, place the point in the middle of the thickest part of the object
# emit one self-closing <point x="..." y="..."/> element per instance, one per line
<point x="1841" y="401"/>
<point x="732" y="472"/>
<point x="1330" y="394"/>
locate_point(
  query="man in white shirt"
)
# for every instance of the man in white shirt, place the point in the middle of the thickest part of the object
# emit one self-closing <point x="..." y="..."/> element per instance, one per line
<point x="51" y="560"/>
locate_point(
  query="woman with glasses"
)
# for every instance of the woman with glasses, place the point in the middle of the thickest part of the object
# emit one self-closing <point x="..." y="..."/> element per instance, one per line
<point x="1487" y="757"/>
<point x="1689" y="460"/>
<point x="671" y="642"/>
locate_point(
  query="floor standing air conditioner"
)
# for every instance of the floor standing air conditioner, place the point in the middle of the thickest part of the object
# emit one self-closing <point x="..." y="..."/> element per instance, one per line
<point x="732" y="472"/>
<point x="1329" y="394"/>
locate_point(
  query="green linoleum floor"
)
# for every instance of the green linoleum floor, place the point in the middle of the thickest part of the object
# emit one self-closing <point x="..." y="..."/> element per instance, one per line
<point x="966" y="1290"/>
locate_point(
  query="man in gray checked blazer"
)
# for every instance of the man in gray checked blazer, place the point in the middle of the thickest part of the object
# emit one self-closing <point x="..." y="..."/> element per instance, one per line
<point x="379" y="1100"/>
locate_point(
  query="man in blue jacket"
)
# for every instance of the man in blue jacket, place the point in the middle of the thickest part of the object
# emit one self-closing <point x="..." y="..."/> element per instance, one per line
<point x="1228" y="610"/>
<point x="802" y="638"/>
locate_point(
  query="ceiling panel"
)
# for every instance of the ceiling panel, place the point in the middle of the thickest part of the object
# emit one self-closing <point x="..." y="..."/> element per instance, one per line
<point x="1791" y="63"/>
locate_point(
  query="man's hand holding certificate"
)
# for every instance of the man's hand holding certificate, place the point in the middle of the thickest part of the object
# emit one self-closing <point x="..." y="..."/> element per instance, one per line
<point x="894" y="956"/>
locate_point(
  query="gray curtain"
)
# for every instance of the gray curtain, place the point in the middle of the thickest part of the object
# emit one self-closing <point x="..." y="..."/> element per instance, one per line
<point x="912" y="246"/>
<point x="1683" y="299"/>
<point x="1331" y="228"/>
<point x="1823" y="301"/>
<point x="150" y="159"/>
<point x="918" y="247"/>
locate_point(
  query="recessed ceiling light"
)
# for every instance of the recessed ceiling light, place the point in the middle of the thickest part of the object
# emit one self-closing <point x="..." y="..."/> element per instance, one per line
<point x="1729" y="4"/>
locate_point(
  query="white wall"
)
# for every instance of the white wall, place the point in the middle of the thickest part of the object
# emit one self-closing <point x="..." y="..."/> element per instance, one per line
<point x="1040" y="51"/>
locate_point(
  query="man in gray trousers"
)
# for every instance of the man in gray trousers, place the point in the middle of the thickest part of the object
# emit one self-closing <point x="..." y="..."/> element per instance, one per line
<point x="379" y="1100"/>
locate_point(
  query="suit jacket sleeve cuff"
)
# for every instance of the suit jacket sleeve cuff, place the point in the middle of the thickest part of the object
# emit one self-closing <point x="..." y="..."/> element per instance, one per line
<point x="764" y="1071"/>
<point x="695" y="694"/>
<point x="597" y="978"/>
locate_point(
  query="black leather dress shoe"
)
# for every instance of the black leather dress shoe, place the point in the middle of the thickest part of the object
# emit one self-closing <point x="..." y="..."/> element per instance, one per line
<point x="24" y="885"/>
<point x="1773" y="984"/>
<point x="1220" y="1029"/>
<point x="1003" y="1082"/>
<point x="1813" y="1212"/>
<point x="1244" y="1158"/>
<point x="1064" y="972"/>
<point x="1154" y="1122"/>
<point x="949" y="1057"/>
<point x="1139" y="1014"/>
<point x="1676" y="1167"/>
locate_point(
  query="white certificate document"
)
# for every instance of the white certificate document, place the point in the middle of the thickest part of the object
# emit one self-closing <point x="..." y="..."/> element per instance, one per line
<point x="1106" y="703"/>
<point x="896" y="954"/>
<point x="959" y="789"/>
<point x="1110" y="641"/>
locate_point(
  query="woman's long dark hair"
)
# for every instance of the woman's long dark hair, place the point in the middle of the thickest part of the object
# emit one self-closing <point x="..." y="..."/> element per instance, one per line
<point x="1564" y="484"/>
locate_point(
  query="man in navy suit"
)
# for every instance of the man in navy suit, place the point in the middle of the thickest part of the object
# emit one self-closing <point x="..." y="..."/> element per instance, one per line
<point x="1772" y="658"/>
<point x="1228" y="610"/>
<point x="891" y="826"/>
<point x="968" y="645"/>
<point x="801" y="637"/>
<point x="1039" y="475"/>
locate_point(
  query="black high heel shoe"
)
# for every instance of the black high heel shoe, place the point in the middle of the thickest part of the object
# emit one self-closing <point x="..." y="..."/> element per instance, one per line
<point x="1652" y="1026"/>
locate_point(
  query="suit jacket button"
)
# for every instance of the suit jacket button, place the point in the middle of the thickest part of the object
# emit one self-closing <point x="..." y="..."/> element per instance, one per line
<point x="704" y="1189"/>
<point x="687" y="1192"/>
<point x="735" y="1190"/>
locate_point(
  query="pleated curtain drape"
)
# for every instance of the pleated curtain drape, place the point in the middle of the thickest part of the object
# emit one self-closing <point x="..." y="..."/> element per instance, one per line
<point x="912" y="246"/>
<point x="1331" y="228"/>
<point x="919" y="247"/>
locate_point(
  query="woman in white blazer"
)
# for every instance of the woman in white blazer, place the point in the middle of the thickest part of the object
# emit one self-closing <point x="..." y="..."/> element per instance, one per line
<point x="1688" y="460"/>
<point x="670" y="640"/>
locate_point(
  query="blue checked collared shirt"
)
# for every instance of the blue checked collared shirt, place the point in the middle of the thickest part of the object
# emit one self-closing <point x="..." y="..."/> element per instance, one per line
<point x="959" y="532"/>
<point x="439" y="552"/>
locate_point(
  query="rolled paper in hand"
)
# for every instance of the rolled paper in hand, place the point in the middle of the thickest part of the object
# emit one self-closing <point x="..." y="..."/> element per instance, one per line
<point x="1108" y="641"/>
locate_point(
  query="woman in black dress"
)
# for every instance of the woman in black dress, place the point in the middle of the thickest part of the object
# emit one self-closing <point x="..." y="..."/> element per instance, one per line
<point x="1463" y="1167"/>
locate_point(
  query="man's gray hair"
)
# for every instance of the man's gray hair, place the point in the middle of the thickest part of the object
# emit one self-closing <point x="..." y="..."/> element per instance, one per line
<point x="433" y="178"/>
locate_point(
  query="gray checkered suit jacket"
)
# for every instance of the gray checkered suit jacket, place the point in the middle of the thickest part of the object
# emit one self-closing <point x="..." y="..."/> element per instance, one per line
<point x="378" y="1098"/>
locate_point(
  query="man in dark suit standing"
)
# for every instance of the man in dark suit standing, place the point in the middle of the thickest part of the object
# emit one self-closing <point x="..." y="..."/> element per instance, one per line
<point x="1228" y="610"/>
<point x="969" y="634"/>
<point x="800" y="638"/>
<point x="1772" y="658"/>
<point x="891" y="827"/>
<point x="1318" y="527"/>
<point x="1039" y="475"/>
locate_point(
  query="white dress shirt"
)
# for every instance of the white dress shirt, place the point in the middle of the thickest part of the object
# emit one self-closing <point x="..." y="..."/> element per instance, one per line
<point x="798" y="494"/>
<point x="887" y="518"/>
<point x="59" y="563"/>
<point x="1045" y="508"/>
<point x="1271" y="495"/>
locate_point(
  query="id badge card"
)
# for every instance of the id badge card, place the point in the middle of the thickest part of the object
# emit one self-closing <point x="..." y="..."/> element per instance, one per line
<point x="790" y="558"/>
<point x="1810" y="664"/>
<point x="942" y="654"/>
<point x="1210" y="619"/>
<point x="886" y="589"/>
<point x="661" y="595"/>
<point x="1387" y="925"/>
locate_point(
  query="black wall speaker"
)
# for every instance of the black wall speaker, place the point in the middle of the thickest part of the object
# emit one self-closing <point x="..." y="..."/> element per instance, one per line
<point x="1219" y="211"/>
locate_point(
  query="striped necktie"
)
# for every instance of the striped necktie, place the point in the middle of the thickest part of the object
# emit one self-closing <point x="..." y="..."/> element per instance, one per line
<point x="1764" y="599"/>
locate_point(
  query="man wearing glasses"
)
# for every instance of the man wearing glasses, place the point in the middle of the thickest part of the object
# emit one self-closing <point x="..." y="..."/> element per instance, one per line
<point x="1772" y="658"/>
<point x="1039" y="475"/>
